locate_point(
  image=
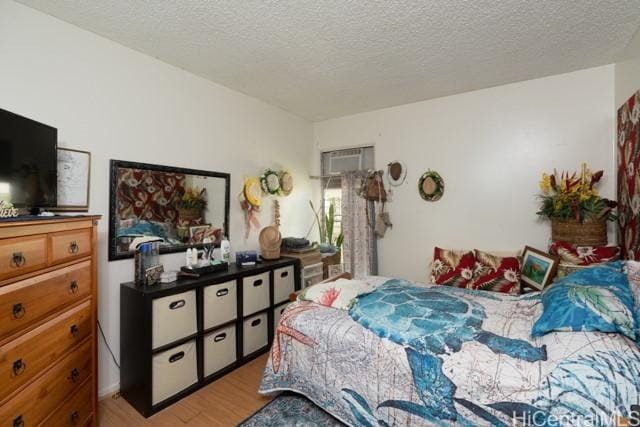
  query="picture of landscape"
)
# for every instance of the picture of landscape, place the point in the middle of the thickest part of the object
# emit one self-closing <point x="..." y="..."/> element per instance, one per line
<point x="535" y="269"/>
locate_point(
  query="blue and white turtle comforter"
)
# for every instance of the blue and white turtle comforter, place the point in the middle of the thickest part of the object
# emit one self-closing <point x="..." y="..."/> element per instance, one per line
<point x="410" y="354"/>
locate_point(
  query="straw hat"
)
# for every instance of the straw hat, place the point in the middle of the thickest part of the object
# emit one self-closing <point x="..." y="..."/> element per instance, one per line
<point x="397" y="173"/>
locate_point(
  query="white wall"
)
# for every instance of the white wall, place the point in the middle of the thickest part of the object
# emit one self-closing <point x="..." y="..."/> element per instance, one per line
<point x="490" y="146"/>
<point x="120" y="104"/>
<point x="627" y="72"/>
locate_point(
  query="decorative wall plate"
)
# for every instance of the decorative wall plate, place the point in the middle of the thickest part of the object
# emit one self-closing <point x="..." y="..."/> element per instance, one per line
<point x="397" y="173"/>
<point x="270" y="182"/>
<point x="286" y="183"/>
<point x="431" y="186"/>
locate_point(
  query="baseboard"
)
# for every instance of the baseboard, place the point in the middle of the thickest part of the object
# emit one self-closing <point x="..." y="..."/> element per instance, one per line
<point x="108" y="391"/>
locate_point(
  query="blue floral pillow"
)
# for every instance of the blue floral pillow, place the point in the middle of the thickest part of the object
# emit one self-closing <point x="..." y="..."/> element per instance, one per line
<point x="591" y="299"/>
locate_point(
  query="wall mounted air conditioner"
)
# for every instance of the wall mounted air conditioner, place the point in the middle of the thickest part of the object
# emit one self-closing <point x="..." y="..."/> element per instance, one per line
<point x="345" y="161"/>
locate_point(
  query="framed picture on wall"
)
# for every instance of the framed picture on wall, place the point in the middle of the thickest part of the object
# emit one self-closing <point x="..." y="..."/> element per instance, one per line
<point x="538" y="268"/>
<point x="74" y="174"/>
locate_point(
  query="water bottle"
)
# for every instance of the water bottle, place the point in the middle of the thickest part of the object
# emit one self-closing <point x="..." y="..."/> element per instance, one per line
<point x="225" y="249"/>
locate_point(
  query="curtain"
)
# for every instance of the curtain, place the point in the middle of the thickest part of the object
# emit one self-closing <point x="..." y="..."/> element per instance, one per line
<point x="359" y="247"/>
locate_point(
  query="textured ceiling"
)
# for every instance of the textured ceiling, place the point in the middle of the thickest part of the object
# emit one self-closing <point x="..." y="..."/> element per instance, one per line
<point x="327" y="58"/>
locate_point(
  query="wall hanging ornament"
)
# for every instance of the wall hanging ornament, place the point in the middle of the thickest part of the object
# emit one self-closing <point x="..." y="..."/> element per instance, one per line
<point x="396" y="173"/>
<point x="270" y="238"/>
<point x="431" y="186"/>
<point x="250" y="201"/>
<point x="286" y="183"/>
<point x="270" y="182"/>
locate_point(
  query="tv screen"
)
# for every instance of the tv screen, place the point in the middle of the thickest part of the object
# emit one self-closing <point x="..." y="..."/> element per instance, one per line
<point x="28" y="162"/>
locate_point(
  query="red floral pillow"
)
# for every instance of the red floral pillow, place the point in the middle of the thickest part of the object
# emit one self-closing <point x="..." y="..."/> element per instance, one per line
<point x="584" y="255"/>
<point x="497" y="274"/>
<point x="452" y="268"/>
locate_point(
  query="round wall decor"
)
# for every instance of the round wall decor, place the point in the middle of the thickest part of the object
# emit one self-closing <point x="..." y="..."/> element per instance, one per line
<point x="431" y="186"/>
<point x="252" y="191"/>
<point x="397" y="173"/>
<point x="270" y="182"/>
<point x="286" y="183"/>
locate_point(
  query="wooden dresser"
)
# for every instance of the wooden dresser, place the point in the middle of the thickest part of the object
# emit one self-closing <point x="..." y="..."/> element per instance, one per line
<point x="48" y="353"/>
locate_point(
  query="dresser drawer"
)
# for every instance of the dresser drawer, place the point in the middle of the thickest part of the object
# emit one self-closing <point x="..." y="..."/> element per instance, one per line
<point x="283" y="284"/>
<point x="69" y="245"/>
<point x="76" y="411"/>
<point x="173" y="371"/>
<point x="174" y="317"/>
<point x="220" y="304"/>
<point x="43" y="396"/>
<point x="255" y="334"/>
<point x="22" y="255"/>
<point x="27" y="356"/>
<point x="219" y="349"/>
<point x="277" y="314"/>
<point x="25" y="302"/>
<point x="255" y="293"/>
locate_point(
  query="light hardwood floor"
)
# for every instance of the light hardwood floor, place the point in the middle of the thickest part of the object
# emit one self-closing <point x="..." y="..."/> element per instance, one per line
<point x="224" y="402"/>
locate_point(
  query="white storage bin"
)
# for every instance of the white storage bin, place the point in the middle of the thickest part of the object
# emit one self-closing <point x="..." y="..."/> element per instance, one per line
<point x="283" y="284"/>
<point x="220" y="304"/>
<point x="277" y="314"/>
<point x="255" y="293"/>
<point x="173" y="371"/>
<point x="219" y="349"/>
<point x="174" y="317"/>
<point x="255" y="333"/>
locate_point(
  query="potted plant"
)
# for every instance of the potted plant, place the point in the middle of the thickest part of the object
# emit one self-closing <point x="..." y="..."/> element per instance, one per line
<point x="326" y="226"/>
<point x="572" y="203"/>
<point x="191" y="205"/>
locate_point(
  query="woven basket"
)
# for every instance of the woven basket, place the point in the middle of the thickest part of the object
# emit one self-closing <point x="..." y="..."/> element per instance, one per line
<point x="587" y="233"/>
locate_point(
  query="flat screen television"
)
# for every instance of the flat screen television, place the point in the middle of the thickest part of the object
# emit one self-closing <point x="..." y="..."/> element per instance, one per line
<point x="28" y="162"/>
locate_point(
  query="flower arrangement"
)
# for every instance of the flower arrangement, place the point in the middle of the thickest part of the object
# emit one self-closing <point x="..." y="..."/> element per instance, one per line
<point x="193" y="198"/>
<point x="574" y="196"/>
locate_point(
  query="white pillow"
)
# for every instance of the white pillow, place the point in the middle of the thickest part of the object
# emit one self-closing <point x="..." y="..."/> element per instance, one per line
<point x="339" y="294"/>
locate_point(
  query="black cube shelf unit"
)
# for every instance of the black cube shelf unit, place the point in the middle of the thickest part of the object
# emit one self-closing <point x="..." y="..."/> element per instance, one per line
<point x="177" y="337"/>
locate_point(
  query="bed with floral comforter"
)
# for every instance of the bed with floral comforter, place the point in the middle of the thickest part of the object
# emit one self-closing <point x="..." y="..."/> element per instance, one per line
<point x="409" y="354"/>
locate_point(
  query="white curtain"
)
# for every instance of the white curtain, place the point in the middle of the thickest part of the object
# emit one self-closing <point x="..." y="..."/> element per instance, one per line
<point x="359" y="247"/>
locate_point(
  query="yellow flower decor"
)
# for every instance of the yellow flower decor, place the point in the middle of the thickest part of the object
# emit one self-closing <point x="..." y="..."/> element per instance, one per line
<point x="194" y="198"/>
<point x="574" y="196"/>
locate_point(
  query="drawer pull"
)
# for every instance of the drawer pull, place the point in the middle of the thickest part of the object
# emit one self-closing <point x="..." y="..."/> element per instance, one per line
<point x="174" y="358"/>
<point x="222" y="292"/>
<point x="18" y="421"/>
<point x="220" y="337"/>
<point x="74" y="330"/>
<point x="73" y="287"/>
<point x="18" y="311"/>
<point x="73" y="247"/>
<point x="257" y="283"/>
<point x="75" y="417"/>
<point x="177" y="304"/>
<point x="74" y="375"/>
<point x="284" y="274"/>
<point x="18" y="259"/>
<point x="18" y="367"/>
<point x="256" y="322"/>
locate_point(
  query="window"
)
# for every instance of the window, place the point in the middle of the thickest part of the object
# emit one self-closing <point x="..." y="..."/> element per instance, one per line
<point x="333" y="164"/>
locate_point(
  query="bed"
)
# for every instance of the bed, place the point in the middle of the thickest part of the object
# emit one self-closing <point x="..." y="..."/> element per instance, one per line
<point x="469" y="361"/>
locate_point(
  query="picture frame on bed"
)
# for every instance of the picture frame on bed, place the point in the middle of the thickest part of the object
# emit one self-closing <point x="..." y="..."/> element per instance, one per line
<point x="538" y="268"/>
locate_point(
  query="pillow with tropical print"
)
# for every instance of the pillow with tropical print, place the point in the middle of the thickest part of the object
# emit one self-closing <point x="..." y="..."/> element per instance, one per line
<point x="595" y="299"/>
<point x="339" y="294"/>
<point x="452" y="268"/>
<point x="496" y="273"/>
<point x="632" y="269"/>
